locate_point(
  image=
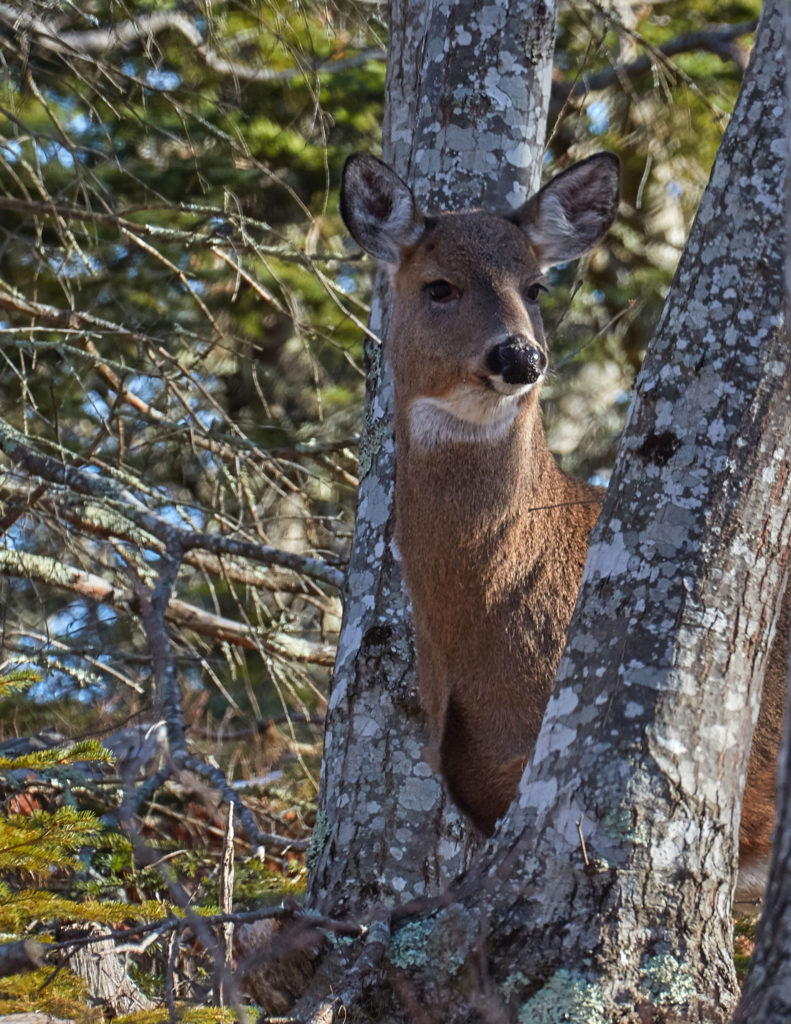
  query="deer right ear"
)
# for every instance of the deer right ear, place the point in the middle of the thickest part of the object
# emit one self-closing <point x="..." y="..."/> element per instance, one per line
<point x="378" y="208"/>
<point x="572" y="213"/>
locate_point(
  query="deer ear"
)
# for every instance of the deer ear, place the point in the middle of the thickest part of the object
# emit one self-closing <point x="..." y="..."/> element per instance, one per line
<point x="570" y="214"/>
<point x="378" y="208"/>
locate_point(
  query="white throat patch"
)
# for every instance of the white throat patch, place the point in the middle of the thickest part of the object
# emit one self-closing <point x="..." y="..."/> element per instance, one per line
<point x="468" y="413"/>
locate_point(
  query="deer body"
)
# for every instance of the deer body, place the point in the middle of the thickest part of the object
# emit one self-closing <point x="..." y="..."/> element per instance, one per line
<point x="493" y="535"/>
<point x="489" y="623"/>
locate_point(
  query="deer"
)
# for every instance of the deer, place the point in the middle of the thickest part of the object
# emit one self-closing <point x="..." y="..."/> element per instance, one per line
<point x="492" y="533"/>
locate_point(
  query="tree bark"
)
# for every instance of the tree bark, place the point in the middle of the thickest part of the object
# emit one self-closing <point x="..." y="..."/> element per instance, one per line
<point x="105" y="973"/>
<point x="766" y="996"/>
<point x="467" y="85"/>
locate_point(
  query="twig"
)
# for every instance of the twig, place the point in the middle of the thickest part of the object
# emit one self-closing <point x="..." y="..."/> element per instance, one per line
<point x="46" y="569"/>
<point x="226" y="903"/>
<point x="286" y="910"/>
<point x="348" y="993"/>
<point x="170" y="979"/>
<point x="138" y="32"/>
<point x="218" y="780"/>
<point x="582" y="840"/>
<point x="16" y="447"/>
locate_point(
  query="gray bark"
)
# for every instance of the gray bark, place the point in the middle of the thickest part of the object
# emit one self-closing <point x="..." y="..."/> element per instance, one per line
<point x="644" y="747"/>
<point x="466" y="104"/>
<point x="766" y="996"/>
<point x="105" y="974"/>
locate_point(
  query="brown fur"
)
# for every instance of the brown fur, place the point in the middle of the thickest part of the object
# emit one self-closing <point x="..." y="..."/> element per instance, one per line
<point x="493" y="535"/>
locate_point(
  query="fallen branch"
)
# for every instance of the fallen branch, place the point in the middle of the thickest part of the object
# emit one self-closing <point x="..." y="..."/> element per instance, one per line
<point x="287" y="910"/>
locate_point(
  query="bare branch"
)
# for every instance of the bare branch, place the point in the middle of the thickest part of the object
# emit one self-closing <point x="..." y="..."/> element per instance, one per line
<point x="15" y="445"/>
<point x="139" y="31"/>
<point x="46" y="569"/>
<point x="719" y="41"/>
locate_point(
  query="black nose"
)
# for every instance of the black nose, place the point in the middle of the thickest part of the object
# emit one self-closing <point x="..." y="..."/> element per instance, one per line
<point x="517" y="360"/>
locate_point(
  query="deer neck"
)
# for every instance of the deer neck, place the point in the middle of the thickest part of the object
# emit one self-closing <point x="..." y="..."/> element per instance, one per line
<point x="462" y="495"/>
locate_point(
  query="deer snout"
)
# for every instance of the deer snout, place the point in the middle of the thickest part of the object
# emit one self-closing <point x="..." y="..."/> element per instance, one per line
<point x="517" y="360"/>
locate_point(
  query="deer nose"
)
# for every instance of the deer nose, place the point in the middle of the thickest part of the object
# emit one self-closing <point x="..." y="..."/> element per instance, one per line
<point x="517" y="360"/>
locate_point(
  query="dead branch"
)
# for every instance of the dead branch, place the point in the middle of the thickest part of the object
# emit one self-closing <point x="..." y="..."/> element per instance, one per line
<point x="287" y="910"/>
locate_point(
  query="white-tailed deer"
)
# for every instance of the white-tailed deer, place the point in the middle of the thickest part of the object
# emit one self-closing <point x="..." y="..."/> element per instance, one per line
<point x="493" y="535"/>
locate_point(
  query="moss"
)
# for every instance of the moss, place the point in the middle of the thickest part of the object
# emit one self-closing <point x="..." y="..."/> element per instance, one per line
<point x="445" y="939"/>
<point x="319" y="836"/>
<point x="190" y="1015"/>
<point x="370" y="443"/>
<point x="515" y="983"/>
<point x="566" y="997"/>
<point x="667" y="980"/>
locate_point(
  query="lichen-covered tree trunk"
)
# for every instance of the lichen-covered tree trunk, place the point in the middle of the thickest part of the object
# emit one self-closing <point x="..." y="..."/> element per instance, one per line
<point x="766" y="996"/>
<point x="466" y="104"/>
<point x="605" y="895"/>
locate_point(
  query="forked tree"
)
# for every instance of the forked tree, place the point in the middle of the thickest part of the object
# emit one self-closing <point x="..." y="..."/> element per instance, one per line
<point x="605" y="893"/>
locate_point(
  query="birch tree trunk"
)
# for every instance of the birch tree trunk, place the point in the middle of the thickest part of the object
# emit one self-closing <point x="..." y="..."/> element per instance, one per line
<point x="465" y="115"/>
<point x="605" y="896"/>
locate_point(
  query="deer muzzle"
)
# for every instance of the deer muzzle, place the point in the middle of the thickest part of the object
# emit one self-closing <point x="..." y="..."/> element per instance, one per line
<point x="517" y="360"/>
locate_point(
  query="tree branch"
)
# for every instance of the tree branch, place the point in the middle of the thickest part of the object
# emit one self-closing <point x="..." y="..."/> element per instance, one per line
<point x="48" y="570"/>
<point x="719" y="41"/>
<point x="139" y="31"/>
<point x="16" y="447"/>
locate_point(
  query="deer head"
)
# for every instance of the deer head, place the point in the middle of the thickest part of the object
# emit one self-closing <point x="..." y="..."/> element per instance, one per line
<point x="467" y="341"/>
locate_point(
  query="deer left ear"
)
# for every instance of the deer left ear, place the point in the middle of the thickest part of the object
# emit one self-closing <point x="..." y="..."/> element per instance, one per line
<point x="378" y="208"/>
<point x="572" y="213"/>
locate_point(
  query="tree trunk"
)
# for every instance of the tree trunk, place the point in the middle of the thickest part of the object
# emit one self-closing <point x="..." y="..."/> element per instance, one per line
<point x="605" y="896"/>
<point x="104" y="971"/>
<point x="766" y="997"/>
<point x="467" y="85"/>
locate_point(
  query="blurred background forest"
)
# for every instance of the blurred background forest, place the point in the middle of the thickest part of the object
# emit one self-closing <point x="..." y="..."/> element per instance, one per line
<point x="181" y="345"/>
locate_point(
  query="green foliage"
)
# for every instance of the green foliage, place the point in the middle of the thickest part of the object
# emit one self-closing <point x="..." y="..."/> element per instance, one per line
<point x="65" y="995"/>
<point x="43" y="842"/>
<point x="41" y="760"/>
<point x="46" y="847"/>
<point x="189" y="1015"/>
<point x="25" y="907"/>
<point x="17" y="680"/>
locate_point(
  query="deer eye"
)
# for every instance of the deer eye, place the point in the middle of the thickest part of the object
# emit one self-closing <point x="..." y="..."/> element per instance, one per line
<point x="534" y="291"/>
<point x="442" y="291"/>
